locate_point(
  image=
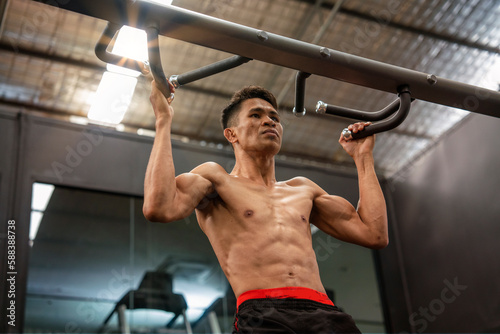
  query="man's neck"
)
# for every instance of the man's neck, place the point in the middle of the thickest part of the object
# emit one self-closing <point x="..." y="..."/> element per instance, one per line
<point x="258" y="168"/>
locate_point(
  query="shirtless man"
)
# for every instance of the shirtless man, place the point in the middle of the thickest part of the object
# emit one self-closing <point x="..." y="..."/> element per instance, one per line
<point x="258" y="227"/>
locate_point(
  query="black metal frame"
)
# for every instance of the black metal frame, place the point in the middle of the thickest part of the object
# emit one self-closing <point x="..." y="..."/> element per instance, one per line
<point x="154" y="65"/>
<point x="323" y="108"/>
<point x="155" y="61"/>
<point x="206" y="71"/>
<point x="250" y="43"/>
<point x="404" y="104"/>
<point x="300" y="92"/>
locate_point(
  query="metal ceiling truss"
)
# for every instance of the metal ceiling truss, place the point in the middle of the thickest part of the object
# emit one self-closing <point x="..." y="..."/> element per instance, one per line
<point x="304" y="57"/>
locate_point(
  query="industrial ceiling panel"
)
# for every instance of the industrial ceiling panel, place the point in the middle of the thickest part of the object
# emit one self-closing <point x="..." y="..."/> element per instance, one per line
<point x="48" y="64"/>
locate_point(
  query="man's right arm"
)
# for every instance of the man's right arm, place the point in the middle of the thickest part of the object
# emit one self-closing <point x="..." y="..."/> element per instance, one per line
<point x="166" y="197"/>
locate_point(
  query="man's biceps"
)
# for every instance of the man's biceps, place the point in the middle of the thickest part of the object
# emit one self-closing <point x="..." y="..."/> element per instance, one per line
<point x="333" y="203"/>
<point x="188" y="201"/>
<point x="192" y="192"/>
<point x="191" y="182"/>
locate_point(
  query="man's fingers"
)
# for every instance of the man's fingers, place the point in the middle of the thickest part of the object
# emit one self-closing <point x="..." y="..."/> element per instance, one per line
<point x="171" y="87"/>
<point x="356" y="127"/>
<point x="156" y="90"/>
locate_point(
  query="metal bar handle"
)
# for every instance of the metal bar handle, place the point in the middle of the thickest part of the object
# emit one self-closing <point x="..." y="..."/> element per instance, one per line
<point x="206" y="71"/>
<point x="323" y="108"/>
<point x="155" y="62"/>
<point x="110" y="58"/>
<point x="221" y="35"/>
<point x="388" y="124"/>
<point x="300" y="87"/>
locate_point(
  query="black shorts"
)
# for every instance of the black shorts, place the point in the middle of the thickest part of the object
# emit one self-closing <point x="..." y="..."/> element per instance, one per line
<point x="287" y="314"/>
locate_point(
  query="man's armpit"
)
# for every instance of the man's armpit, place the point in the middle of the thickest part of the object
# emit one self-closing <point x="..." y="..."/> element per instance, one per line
<point x="207" y="200"/>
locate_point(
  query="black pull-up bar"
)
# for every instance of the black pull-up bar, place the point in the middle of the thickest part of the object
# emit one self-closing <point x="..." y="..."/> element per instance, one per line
<point x="206" y="71"/>
<point x="404" y="104"/>
<point x="236" y="39"/>
<point x="155" y="61"/>
<point x="154" y="65"/>
<point x="300" y="88"/>
<point x="323" y="108"/>
<point x="256" y="44"/>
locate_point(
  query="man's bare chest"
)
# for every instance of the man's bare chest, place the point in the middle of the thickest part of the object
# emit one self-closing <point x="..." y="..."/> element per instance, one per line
<point x="246" y="199"/>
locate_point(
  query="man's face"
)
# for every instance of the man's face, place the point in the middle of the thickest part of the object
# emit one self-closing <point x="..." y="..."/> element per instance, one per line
<point x="258" y="127"/>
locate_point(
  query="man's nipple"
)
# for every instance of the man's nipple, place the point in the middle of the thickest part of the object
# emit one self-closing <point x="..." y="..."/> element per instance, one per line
<point x="303" y="218"/>
<point x="248" y="213"/>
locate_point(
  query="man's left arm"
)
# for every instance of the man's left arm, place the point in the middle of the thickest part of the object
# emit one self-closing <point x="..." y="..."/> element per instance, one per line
<point x="366" y="225"/>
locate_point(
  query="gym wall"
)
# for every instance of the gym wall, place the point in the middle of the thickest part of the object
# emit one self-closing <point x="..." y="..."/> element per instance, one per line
<point x="445" y="223"/>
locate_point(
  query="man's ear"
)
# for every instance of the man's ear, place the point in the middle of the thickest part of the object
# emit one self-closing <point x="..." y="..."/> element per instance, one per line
<point x="230" y="135"/>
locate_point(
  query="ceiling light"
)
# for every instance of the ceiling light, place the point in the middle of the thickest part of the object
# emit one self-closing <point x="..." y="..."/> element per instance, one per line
<point x="131" y="43"/>
<point x="112" y="98"/>
<point x="115" y="91"/>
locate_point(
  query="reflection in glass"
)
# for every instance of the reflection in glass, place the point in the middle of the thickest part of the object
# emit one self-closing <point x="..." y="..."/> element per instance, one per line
<point x="41" y="194"/>
<point x="93" y="248"/>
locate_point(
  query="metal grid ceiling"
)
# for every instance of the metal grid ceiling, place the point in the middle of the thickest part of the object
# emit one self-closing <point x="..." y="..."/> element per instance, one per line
<point x="47" y="64"/>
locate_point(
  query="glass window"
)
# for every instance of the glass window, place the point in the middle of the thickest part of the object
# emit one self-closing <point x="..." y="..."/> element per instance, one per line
<point x="93" y="251"/>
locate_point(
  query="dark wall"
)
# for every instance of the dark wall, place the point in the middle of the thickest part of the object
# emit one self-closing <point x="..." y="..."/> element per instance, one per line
<point x="8" y="158"/>
<point x="8" y="164"/>
<point x="45" y="150"/>
<point x="446" y="224"/>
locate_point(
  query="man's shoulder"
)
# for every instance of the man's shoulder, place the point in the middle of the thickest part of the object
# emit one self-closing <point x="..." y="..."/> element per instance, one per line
<point x="210" y="170"/>
<point x="300" y="181"/>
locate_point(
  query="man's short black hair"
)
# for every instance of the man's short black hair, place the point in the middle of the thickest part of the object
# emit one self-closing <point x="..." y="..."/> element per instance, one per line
<point x="246" y="93"/>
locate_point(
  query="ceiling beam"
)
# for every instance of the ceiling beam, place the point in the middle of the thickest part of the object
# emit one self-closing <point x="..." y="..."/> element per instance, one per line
<point x="299" y="32"/>
<point x="207" y="31"/>
<point x="319" y="35"/>
<point x="190" y="87"/>
<point x="411" y="29"/>
<point x="18" y="49"/>
<point x="100" y="68"/>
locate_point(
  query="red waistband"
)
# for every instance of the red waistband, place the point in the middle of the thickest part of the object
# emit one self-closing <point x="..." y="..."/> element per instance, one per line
<point x="286" y="292"/>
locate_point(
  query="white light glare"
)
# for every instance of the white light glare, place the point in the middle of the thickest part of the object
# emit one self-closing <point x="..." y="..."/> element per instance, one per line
<point x="36" y="219"/>
<point x="112" y="98"/>
<point x="130" y="43"/>
<point x="197" y="297"/>
<point x="494" y="75"/>
<point x="41" y="194"/>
